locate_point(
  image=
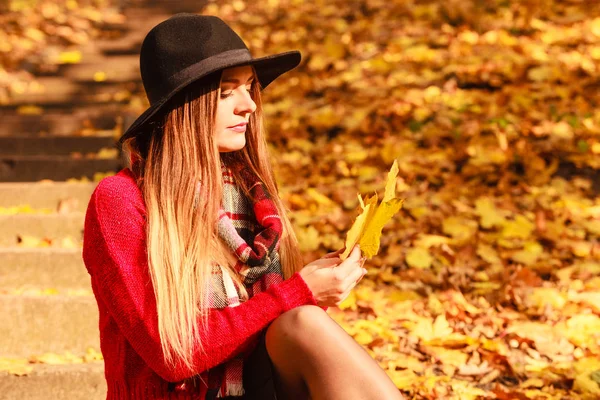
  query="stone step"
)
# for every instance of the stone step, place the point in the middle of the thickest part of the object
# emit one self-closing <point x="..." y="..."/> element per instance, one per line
<point x="61" y="122"/>
<point x="47" y="195"/>
<point x="60" y="92"/>
<point x="131" y="41"/>
<point x="50" y="226"/>
<point x="18" y="145"/>
<point x="72" y="382"/>
<point x="55" y="268"/>
<point x="51" y="90"/>
<point x="57" y="168"/>
<point x="124" y="68"/>
<point x="146" y="15"/>
<point x="127" y="47"/>
<point x="36" y="324"/>
<point x="167" y="6"/>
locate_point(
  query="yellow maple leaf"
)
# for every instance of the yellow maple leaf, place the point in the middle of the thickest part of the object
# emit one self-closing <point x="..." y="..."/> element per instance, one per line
<point x="584" y="381"/>
<point x="366" y="230"/>
<point x="403" y="379"/>
<point x="370" y="240"/>
<point x="92" y="354"/>
<point x="357" y="229"/>
<point x="390" y="185"/>
<point x="48" y="358"/>
<point x="15" y="366"/>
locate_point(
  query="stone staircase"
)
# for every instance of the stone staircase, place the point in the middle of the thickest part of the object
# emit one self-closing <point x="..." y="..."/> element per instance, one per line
<point x="67" y="131"/>
<point x="45" y="296"/>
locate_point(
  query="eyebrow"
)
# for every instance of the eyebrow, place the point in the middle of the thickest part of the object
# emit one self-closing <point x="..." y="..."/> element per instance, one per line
<point x="236" y="81"/>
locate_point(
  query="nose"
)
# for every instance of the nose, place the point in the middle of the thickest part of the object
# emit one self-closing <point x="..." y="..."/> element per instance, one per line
<point x="245" y="104"/>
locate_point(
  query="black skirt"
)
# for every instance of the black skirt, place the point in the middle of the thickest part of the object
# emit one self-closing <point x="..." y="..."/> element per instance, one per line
<point x="258" y="375"/>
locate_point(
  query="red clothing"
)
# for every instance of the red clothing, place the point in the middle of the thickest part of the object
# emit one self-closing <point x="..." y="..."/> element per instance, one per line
<point x="114" y="253"/>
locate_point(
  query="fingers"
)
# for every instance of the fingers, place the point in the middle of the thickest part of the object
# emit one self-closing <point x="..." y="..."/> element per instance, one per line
<point x="355" y="276"/>
<point x="334" y="254"/>
<point x="362" y="276"/>
<point x="361" y="273"/>
<point x="346" y="292"/>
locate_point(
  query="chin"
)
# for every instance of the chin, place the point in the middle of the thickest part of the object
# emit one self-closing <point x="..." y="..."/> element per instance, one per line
<point x="229" y="147"/>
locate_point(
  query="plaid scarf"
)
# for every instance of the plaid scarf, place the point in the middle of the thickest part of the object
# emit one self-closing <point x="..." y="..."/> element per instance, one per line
<point x="251" y="228"/>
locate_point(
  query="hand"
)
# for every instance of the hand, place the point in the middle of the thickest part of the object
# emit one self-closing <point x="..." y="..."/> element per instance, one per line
<point x="330" y="279"/>
<point x="340" y="251"/>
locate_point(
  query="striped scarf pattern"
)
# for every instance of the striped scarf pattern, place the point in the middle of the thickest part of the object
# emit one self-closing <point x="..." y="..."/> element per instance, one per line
<point x="251" y="228"/>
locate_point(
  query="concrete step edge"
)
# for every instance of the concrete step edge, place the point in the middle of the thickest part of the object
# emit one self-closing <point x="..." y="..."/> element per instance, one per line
<point x="20" y="145"/>
<point x="47" y="368"/>
<point x="48" y="157"/>
<point x="38" y="250"/>
<point x="31" y="293"/>
<point x="60" y="269"/>
<point x="70" y="381"/>
<point x="47" y="195"/>
<point x="40" y="226"/>
<point x="50" y="368"/>
<point x="75" y="215"/>
<point x="9" y="186"/>
<point x="62" y="91"/>
<point x="37" y="168"/>
<point x="32" y="269"/>
<point x="35" y="324"/>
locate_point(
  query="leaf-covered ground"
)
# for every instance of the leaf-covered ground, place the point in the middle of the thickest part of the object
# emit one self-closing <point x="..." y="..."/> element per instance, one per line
<point x="487" y="284"/>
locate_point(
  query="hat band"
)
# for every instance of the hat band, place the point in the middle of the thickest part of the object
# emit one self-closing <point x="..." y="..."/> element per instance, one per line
<point x="208" y="65"/>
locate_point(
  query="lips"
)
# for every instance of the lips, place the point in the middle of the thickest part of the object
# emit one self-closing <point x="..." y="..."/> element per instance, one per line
<point x="241" y="127"/>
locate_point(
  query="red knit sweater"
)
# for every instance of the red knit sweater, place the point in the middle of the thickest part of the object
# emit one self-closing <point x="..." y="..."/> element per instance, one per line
<point x="114" y="253"/>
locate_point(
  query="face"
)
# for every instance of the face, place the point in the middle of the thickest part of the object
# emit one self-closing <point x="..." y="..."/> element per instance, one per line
<point x="234" y="107"/>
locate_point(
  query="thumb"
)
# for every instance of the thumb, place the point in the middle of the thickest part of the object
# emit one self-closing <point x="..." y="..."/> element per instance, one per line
<point x="353" y="258"/>
<point x="355" y="253"/>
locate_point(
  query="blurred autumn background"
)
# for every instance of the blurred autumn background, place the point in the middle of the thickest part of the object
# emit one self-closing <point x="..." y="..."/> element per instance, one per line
<point x="487" y="284"/>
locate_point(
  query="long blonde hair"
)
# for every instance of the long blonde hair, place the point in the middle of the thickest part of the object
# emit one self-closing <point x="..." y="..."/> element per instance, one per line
<point x="182" y="239"/>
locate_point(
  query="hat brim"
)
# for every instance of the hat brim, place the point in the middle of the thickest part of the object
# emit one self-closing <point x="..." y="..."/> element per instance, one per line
<point x="267" y="69"/>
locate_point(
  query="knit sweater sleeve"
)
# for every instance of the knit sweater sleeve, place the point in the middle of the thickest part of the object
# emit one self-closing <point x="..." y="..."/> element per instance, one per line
<point x="114" y="253"/>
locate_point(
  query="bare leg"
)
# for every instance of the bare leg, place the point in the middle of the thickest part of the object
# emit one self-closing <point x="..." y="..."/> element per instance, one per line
<point x="315" y="358"/>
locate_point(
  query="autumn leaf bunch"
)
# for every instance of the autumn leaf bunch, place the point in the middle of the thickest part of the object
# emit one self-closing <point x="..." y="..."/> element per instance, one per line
<point x="367" y="228"/>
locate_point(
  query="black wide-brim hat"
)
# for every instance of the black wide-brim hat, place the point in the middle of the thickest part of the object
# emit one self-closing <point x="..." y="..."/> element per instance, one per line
<point x="187" y="47"/>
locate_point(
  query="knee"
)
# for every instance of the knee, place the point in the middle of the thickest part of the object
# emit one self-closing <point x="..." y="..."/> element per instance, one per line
<point x="303" y="317"/>
<point x="297" y="323"/>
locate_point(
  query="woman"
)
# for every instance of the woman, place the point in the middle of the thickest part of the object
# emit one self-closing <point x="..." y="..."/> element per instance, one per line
<point x="193" y="262"/>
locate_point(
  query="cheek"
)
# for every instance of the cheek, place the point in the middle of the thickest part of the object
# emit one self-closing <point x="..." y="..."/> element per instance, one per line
<point x="219" y="118"/>
<point x="223" y="117"/>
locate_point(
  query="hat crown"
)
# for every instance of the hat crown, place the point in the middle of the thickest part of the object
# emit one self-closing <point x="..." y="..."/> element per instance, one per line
<point x="180" y="42"/>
